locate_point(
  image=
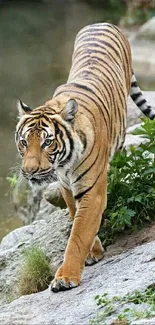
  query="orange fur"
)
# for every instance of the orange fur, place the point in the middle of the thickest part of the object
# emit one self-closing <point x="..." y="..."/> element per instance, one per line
<point x="86" y="120"/>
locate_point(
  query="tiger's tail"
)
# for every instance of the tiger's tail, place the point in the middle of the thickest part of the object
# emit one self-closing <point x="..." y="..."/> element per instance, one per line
<point x="140" y="100"/>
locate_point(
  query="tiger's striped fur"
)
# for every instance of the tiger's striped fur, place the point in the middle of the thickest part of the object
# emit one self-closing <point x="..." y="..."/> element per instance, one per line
<point x="76" y="133"/>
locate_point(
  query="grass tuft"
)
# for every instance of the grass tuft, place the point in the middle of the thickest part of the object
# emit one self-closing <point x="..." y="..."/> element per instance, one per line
<point x="35" y="273"/>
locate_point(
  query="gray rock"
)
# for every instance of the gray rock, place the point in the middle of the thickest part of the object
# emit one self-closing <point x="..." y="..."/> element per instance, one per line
<point x="53" y="195"/>
<point x="50" y="234"/>
<point x="30" y="203"/>
<point x="131" y="139"/>
<point x="116" y="276"/>
<point x="143" y="49"/>
<point x="143" y="59"/>
<point x="147" y="30"/>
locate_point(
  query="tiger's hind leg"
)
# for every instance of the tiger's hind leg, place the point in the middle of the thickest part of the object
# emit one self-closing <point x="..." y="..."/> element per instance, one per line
<point x="96" y="253"/>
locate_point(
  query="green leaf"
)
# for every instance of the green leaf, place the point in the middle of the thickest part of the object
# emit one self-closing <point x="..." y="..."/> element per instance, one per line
<point x="152" y="148"/>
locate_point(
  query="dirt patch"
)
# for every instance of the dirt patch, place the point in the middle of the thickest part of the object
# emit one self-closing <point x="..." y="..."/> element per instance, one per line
<point x="129" y="241"/>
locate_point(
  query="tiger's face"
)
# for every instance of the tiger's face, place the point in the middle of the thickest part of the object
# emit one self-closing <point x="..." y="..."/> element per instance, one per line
<point x="45" y="140"/>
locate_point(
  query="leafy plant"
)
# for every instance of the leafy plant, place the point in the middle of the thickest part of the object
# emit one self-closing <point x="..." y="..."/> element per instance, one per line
<point x="35" y="273"/>
<point x="131" y="188"/>
<point x="12" y="180"/>
<point x="127" y="314"/>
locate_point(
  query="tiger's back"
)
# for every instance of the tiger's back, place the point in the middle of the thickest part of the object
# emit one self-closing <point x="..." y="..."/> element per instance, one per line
<point x="100" y="76"/>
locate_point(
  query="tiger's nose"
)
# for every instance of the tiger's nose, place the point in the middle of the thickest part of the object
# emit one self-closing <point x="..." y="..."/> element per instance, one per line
<point x="31" y="165"/>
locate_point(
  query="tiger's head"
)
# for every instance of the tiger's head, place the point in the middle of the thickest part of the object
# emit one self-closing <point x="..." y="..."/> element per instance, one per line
<point x="45" y="139"/>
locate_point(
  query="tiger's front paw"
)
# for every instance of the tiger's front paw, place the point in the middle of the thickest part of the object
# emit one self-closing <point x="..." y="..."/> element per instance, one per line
<point x="66" y="277"/>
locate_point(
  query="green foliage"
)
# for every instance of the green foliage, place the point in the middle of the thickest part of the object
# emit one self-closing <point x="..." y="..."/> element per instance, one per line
<point x="12" y="180"/>
<point x="128" y="314"/>
<point x="138" y="12"/>
<point x="137" y="16"/>
<point x="131" y="188"/>
<point x="35" y="273"/>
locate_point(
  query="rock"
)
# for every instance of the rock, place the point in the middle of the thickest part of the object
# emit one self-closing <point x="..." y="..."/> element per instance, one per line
<point x="131" y="139"/>
<point x="143" y="60"/>
<point x="130" y="271"/>
<point x="30" y="203"/>
<point x="53" y="195"/>
<point x="50" y="234"/>
<point x="147" y="30"/>
<point x="143" y="49"/>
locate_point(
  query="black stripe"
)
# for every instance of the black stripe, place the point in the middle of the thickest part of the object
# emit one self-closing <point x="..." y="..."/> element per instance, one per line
<point x="134" y="84"/>
<point x="20" y="129"/>
<point x="93" y="28"/>
<point x="63" y="151"/>
<point x="93" y="41"/>
<point x="122" y="41"/>
<point x="108" y="70"/>
<point x="93" y="100"/>
<point x="101" y="34"/>
<point x="80" y="58"/>
<point x="104" y="84"/>
<point x="57" y="130"/>
<point x="46" y="118"/>
<point x="83" y="138"/>
<point x="87" y="170"/>
<point x="135" y="96"/>
<point x="32" y="124"/>
<point x="86" y="108"/>
<point x="44" y="124"/>
<point x="91" y="91"/>
<point x="98" y="32"/>
<point x="71" y="148"/>
<point x="146" y="110"/>
<point x="142" y="102"/>
<point x="104" y="65"/>
<point x="94" y="46"/>
<point x="80" y="195"/>
<point x="94" y="140"/>
<point x="104" y="33"/>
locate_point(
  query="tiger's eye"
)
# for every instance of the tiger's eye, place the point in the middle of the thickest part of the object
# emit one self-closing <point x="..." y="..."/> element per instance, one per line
<point x="47" y="142"/>
<point x="23" y="142"/>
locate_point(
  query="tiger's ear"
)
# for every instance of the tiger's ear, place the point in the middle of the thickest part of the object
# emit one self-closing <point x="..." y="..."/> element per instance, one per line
<point x="70" y="110"/>
<point x="23" y="108"/>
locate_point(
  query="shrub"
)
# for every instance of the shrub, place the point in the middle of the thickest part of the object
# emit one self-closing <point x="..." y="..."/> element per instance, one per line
<point x="35" y="273"/>
<point x="131" y="188"/>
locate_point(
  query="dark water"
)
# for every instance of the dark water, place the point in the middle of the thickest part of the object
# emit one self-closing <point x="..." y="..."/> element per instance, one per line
<point x="36" y="43"/>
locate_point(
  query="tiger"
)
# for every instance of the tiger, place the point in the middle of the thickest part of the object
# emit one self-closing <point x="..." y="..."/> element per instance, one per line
<point x="74" y="135"/>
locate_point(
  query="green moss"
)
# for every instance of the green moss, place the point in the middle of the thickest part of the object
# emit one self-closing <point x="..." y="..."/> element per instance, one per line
<point x="35" y="273"/>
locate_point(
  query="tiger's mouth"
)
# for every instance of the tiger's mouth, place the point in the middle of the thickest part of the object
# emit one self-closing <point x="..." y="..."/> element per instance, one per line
<point x="40" y="178"/>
